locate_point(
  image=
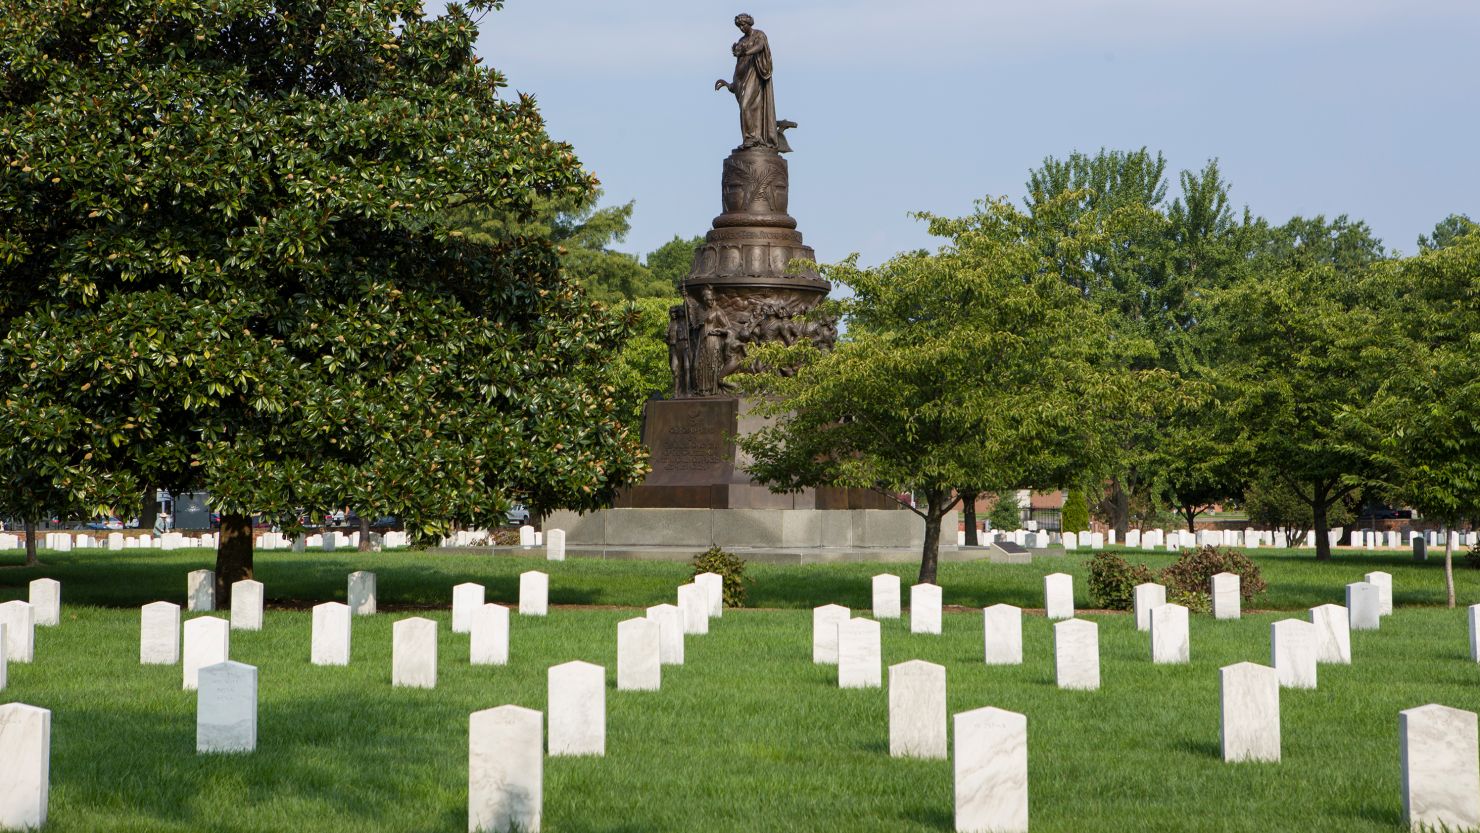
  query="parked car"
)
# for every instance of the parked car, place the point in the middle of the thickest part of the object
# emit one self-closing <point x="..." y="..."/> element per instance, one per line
<point x="518" y="515"/>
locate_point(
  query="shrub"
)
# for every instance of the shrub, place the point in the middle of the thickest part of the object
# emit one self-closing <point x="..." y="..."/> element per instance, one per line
<point x="1113" y="580"/>
<point x="1075" y="516"/>
<point x="1006" y="514"/>
<point x="1189" y="578"/>
<point x="1473" y="556"/>
<point x="731" y="568"/>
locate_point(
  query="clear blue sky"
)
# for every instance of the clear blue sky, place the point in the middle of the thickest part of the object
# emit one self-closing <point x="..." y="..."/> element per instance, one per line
<point x="1363" y="107"/>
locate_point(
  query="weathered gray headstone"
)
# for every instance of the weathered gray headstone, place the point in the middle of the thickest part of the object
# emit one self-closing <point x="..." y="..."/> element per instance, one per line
<point x="1250" y="696"/>
<point x="534" y="593"/>
<point x="1171" y="644"/>
<point x="466" y="598"/>
<point x="25" y="748"/>
<point x="1439" y="751"/>
<point x="1147" y="596"/>
<point x="577" y="704"/>
<point x="670" y="632"/>
<point x="19" y="620"/>
<point x="1333" y="634"/>
<point x="991" y="771"/>
<point x="246" y="605"/>
<point x="639" y="667"/>
<point x="226" y="708"/>
<point x="506" y="770"/>
<point x="886" y="596"/>
<point x="1225" y="596"/>
<point x="207" y="642"/>
<point x="489" y="640"/>
<point x="1002" y="626"/>
<point x="329" y="643"/>
<point x="1076" y="654"/>
<point x="925" y="609"/>
<point x="1364" y="606"/>
<point x="917" y="710"/>
<point x="46" y="598"/>
<point x="200" y="591"/>
<point x="1058" y="595"/>
<point x="1292" y="649"/>
<point x="825" y="621"/>
<point x="860" y="654"/>
<point x="362" y="597"/>
<point x="159" y="633"/>
<point x="414" y="653"/>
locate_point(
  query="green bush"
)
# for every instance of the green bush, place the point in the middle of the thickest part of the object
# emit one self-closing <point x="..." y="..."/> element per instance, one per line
<point x="1075" y="517"/>
<point x="1473" y="556"/>
<point x="1189" y="578"/>
<point x="729" y="566"/>
<point x="1006" y="514"/>
<point x="1113" y="580"/>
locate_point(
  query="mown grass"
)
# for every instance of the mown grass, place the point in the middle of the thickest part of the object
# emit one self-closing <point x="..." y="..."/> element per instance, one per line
<point x="747" y="735"/>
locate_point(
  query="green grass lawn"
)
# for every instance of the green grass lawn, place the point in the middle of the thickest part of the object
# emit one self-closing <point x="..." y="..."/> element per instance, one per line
<point x="748" y="735"/>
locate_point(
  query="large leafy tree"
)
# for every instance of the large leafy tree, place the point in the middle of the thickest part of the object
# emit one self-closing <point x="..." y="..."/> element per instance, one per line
<point x="230" y="217"/>
<point x="1299" y="344"/>
<point x="974" y="364"/>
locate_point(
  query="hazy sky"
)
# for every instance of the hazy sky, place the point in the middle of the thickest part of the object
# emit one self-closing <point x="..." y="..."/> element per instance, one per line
<point x="1363" y="107"/>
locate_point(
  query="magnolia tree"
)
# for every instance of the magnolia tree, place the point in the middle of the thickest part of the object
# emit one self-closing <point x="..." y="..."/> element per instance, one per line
<point x="225" y="267"/>
<point x="973" y="364"/>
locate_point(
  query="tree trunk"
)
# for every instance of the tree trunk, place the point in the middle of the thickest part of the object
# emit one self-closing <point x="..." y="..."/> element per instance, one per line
<point x="968" y="509"/>
<point x="1318" y="509"/>
<point x="364" y="534"/>
<point x="937" y="503"/>
<point x="149" y="509"/>
<point x="31" y="559"/>
<point x="1191" y="513"/>
<point x="233" y="556"/>
<point x="1449" y="565"/>
<point x="1120" y="509"/>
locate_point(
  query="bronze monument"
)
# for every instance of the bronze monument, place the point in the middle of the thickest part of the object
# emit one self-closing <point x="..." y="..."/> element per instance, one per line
<point x="740" y="291"/>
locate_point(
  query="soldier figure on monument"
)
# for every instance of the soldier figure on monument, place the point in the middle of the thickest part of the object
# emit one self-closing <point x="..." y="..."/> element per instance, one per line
<point x="679" y="357"/>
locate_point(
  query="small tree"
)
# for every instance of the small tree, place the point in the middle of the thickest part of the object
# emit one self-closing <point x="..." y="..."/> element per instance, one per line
<point x="1006" y="514"/>
<point x="975" y="364"/>
<point x="1075" y="515"/>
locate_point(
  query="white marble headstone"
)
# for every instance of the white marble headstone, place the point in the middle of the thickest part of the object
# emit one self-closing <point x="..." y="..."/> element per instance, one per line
<point x="489" y="640"/>
<point x="159" y="633"/>
<point x="555" y="545"/>
<point x="991" y="771"/>
<point x="226" y="708"/>
<point x="19" y="619"/>
<point x="1439" y="752"/>
<point x="860" y="654"/>
<point x="1364" y="606"/>
<point x="1070" y="541"/>
<point x="414" y="653"/>
<point x="246" y="605"/>
<point x="1333" y="634"/>
<point x="362" y="596"/>
<point x="526" y="536"/>
<point x="825" y="621"/>
<point x="886" y="596"/>
<point x="1146" y="597"/>
<point x="1475" y="633"/>
<point x="534" y="593"/>
<point x="46" y="598"/>
<point x="25" y="747"/>
<point x="200" y="591"/>
<point x="1171" y="643"/>
<point x="207" y="642"/>
<point x="670" y="633"/>
<point x="693" y="606"/>
<point x="925" y="609"/>
<point x="714" y="592"/>
<point x="330" y="641"/>
<point x="1225" y="596"/>
<point x="577" y="704"/>
<point x="639" y="664"/>
<point x="1250" y="697"/>
<point x="506" y="770"/>
<point x="1076" y="654"/>
<point x="466" y="598"/>
<point x="1292" y="649"/>
<point x="1384" y="582"/>
<point x="1002" y="632"/>
<point x="1058" y="595"/>
<point x="917" y="710"/>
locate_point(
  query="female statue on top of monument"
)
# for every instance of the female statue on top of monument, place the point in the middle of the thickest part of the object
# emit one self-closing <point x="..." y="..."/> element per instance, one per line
<point x="752" y="86"/>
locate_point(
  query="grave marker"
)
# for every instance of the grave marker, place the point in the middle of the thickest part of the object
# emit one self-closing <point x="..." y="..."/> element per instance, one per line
<point x="714" y="592"/>
<point x="200" y="591"/>
<point x="1170" y="642"/>
<point x="693" y="605"/>
<point x="1002" y="626"/>
<point x="362" y="596"/>
<point x="1384" y="582"/>
<point x="534" y="593"/>
<point x="25" y="747"/>
<point x="466" y="598"/>
<point x="1439" y="752"/>
<point x="1058" y="595"/>
<point x="1225" y="596"/>
<point x="1292" y="649"/>
<point x="1364" y="606"/>
<point x="226" y="708"/>
<point x="159" y="633"/>
<point x="246" y="605"/>
<point x="925" y="609"/>
<point x="1333" y="634"/>
<point x="860" y="654"/>
<point x="1076" y="654"/>
<point x="886" y="596"/>
<point x="555" y="545"/>
<point x="639" y="666"/>
<point x="577" y="703"/>
<point x="1250" y="700"/>
<point x="917" y="710"/>
<point x="329" y="643"/>
<point x="207" y="642"/>
<point x="1147" y="596"/>
<point x="414" y="653"/>
<point x="825" y="621"/>
<point x="489" y="641"/>
<point x="670" y="633"/>
<point x="19" y="620"/>
<point x="46" y="599"/>
<point x="991" y="771"/>
<point x="506" y="767"/>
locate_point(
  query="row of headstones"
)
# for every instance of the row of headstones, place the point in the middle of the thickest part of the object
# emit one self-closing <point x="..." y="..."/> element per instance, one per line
<point x="990" y="753"/>
<point x="328" y="541"/>
<point x="553" y="540"/>
<point x="1249" y="538"/>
